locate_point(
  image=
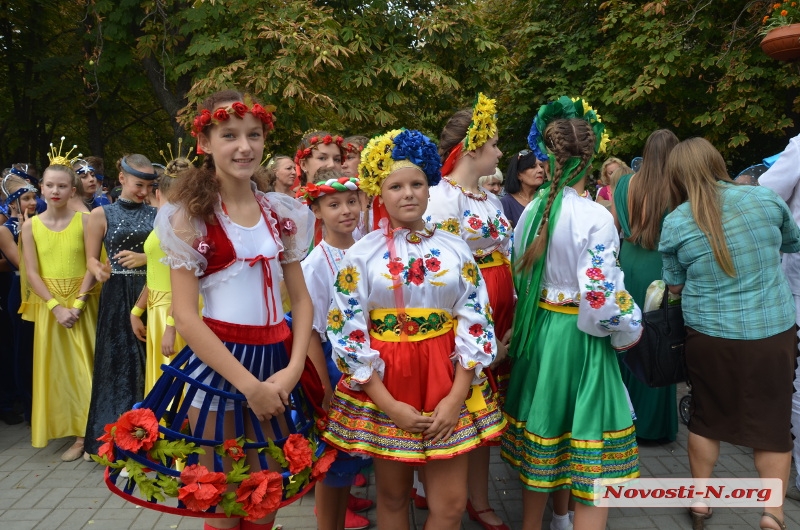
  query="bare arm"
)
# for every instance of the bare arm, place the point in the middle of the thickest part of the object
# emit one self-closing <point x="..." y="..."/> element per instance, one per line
<point x="317" y="357"/>
<point x="675" y="289"/>
<point x="302" y="315"/>
<point x="93" y="233"/>
<point x="8" y="247"/>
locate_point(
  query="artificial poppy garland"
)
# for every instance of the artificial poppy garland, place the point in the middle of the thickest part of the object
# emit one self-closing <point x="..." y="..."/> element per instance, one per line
<point x="313" y="142"/>
<point x="141" y="449"/>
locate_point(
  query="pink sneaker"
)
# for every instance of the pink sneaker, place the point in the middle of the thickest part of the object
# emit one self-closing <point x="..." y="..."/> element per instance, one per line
<point x="353" y="521"/>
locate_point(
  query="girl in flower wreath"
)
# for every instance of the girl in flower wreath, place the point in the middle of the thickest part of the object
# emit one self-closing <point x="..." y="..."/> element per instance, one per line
<point x="317" y="150"/>
<point x="468" y="148"/>
<point x="410" y="334"/>
<point x="569" y="421"/>
<point x="245" y="411"/>
<point x="336" y="204"/>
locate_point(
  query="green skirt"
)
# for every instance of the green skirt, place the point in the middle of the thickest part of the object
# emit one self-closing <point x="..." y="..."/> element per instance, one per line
<point x="569" y="424"/>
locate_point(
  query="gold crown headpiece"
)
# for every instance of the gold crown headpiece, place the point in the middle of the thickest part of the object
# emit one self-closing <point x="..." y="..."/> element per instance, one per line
<point x="56" y="158"/>
<point x="175" y="155"/>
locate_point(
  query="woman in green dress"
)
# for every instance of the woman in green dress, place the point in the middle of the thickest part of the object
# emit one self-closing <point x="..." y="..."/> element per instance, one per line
<point x="640" y="203"/>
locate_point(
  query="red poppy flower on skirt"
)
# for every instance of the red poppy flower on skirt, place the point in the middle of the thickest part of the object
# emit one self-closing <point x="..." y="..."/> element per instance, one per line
<point x="136" y="430"/>
<point x="297" y="452"/>
<point x="202" y="488"/>
<point x="323" y="464"/>
<point x="233" y="449"/>
<point x="260" y="494"/>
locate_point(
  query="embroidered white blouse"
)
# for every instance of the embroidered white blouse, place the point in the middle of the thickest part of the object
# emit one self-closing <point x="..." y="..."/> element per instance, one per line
<point x="581" y="269"/>
<point x="477" y="217"/>
<point x="388" y="269"/>
<point x="320" y="269"/>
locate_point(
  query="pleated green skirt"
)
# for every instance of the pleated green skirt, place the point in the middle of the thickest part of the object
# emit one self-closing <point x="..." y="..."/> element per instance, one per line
<point x="569" y="424"/>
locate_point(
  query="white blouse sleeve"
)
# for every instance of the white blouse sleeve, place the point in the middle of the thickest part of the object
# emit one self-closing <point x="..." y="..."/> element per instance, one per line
<point x="475" y="343"/>
<point x="319" y="288"/>
<point x="295" y="224"/>
<point x="182" y="239"/>
<point x="348" y="324"/>
<point x="443" y="210"/>
<point x="606" y="308"/>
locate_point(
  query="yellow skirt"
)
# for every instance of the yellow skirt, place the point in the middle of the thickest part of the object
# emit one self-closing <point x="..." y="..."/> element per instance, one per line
<point x="63" y="360"/>
<point x="158" y="303"/>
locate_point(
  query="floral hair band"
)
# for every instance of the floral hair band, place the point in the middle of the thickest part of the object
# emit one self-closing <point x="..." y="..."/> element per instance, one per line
<point x="482" y="128"/>
<point x="313" y="142"/>
<point x="311" y="192"/>
<point x="394" y="150"/>
<point x="238" y="109"/>
<point x="565" y="108"/>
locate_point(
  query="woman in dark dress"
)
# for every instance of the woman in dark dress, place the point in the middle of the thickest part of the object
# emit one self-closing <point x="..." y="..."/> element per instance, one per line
<point x="524" y="176"/>
<point x="119" y="358"/>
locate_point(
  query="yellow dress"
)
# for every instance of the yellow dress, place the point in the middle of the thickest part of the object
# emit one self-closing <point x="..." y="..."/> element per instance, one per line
<point x="62" y="358"/>
<point x="158" y="303"/>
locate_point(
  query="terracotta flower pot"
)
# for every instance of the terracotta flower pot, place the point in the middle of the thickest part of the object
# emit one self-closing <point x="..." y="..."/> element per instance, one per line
<point x="783" y="43"/>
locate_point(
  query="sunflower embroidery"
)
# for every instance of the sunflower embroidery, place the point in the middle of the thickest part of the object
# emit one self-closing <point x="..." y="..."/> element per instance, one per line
<point x="347" y="280"/>
<point x="335" y="321"/>
<point x="624" y="302"/>
<point x="450" y="225"/>
<point x="471" y="273"/>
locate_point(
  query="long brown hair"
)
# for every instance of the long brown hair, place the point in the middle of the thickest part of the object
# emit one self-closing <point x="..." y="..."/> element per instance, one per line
<point x="198" y="189"/>
<point x="567" y="139"/>
<point x="647" y="202"/>
<point x="694" y="169"/>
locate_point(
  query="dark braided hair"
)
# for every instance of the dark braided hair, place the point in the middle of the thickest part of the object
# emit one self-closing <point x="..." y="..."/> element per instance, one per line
<point x="566" y="139"/>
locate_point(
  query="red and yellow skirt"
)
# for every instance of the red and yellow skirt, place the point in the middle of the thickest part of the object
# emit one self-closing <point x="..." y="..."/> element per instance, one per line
<point x="419" y="371"/>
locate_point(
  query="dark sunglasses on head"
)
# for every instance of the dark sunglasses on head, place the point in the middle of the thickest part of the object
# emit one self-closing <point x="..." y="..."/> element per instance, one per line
<point x="524" y="152"/>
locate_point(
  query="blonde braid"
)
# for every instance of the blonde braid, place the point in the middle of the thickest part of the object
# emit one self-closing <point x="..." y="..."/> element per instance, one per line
<point x="567" y="139"/>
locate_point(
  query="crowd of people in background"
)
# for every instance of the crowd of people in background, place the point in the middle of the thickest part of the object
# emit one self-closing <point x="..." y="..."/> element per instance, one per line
<point x="362" y="304"/>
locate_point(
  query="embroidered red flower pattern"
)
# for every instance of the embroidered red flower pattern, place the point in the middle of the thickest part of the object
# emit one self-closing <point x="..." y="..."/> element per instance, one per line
<point x="432" y="264"/>
<point x="233" y="449"/>
<point x="358" y="336"/>
<point x="596" y="299"/>
<point x="595" y="274"/>
<point x="202" y="488"/>
<point x="487" y="347"/>
<point x="395" y="267"/>
<point x="474" y="223"/>
<point x="136" y="430"/>
<point x="297" y="452"/>
<point x="260" y="494"/>
<point x="410" y="328"/>
<point x="416" y="272"/>
<point x="476" y="330"/>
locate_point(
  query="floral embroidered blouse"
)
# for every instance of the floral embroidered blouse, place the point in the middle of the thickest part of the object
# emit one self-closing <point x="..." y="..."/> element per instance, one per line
<point x="581" y="269"/>
<point x="477" y="218"/>
<point x="430" y="270"/>
<point x="320" y="269"/>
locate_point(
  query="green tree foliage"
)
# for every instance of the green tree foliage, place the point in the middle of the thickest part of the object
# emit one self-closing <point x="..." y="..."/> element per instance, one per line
<point x="691" y="66"/>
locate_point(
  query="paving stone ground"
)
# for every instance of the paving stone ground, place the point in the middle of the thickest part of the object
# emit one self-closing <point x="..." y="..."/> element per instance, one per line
<point x="38" y="490"/>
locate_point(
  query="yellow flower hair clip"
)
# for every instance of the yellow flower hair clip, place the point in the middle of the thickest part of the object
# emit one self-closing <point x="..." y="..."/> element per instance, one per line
<point x="483" y="125"/>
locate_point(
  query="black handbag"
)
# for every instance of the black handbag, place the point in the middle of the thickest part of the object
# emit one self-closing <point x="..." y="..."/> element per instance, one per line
<point x="658" y="359"/>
